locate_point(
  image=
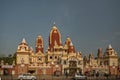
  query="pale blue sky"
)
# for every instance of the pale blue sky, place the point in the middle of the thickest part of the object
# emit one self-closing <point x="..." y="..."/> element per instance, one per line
<point x="90" y="24"/>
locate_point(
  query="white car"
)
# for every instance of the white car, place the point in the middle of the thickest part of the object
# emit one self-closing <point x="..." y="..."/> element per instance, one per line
<point x="26" y="76"/>
<point x="79" y="77"/>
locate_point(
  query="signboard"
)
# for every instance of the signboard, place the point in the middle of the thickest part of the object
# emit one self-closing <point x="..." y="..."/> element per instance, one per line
<point x="7" y="66"/>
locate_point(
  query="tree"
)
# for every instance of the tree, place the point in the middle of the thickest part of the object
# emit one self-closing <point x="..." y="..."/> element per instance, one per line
<point x="9" y="59"/>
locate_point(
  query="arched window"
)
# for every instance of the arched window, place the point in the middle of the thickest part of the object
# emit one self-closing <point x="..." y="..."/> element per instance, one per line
<point x="22" y="49"/>
<point x="39" y="58"/>
<point x="50" y="57"/>
<point x="64" y="62"/>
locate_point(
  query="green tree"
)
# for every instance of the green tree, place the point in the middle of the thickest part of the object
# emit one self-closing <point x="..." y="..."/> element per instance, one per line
<point x="9" y="59"/>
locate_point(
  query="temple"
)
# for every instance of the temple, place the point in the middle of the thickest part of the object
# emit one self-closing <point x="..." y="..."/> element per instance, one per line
<point x="61" y="57"/>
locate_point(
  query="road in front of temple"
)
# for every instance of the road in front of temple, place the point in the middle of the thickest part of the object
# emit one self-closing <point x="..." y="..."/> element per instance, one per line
<point x="50" y="77"/>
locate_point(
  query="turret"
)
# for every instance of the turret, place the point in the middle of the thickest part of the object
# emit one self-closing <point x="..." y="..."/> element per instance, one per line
<point x="99" y="54"/>
<point x="71" y="48"/>
<point x="110" y="51"/>
<point x="23" y="46"/>
<point x="39" y="44"/>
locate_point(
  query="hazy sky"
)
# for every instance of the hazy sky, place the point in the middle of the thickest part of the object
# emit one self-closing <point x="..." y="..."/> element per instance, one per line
<point x="91" y="24"/>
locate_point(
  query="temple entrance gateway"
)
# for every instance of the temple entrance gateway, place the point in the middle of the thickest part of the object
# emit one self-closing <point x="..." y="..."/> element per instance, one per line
<point x="72" y="67"/>
<point x="31" y="71"/>
<point x="6" y="71"/>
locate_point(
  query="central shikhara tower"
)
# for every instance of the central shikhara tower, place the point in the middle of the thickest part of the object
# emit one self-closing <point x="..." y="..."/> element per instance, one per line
<point x="60" y="57"/>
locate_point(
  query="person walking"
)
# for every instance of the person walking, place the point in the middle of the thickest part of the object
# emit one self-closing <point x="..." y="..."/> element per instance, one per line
<point x="66" y="74"/>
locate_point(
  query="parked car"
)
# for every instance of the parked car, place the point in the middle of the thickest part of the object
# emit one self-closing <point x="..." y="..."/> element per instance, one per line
<point x="79" y="77"/>
<point x="26" y="76"/>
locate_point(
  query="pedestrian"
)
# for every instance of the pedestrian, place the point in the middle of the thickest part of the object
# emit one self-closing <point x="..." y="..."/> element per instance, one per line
<point x="66" y="74"/>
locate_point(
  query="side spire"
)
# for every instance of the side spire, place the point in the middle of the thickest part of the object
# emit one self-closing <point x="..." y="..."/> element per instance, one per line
<point x="54" y="23"/>
<point x="71" y="44"/>
<point x="23" y="41"/>
<point x="109" y="46"/>
<point x="39" y="44"/>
